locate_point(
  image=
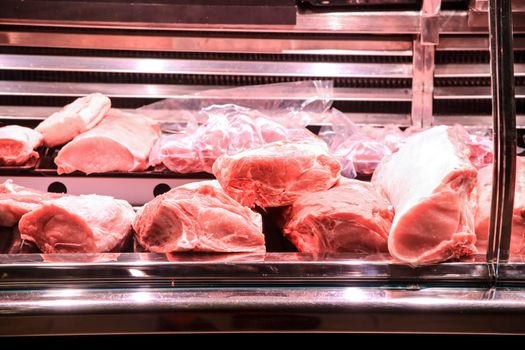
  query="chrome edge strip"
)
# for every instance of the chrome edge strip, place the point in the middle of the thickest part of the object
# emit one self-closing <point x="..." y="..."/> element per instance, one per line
<point x="217" y="67"/>
<point x="299" y="309"/>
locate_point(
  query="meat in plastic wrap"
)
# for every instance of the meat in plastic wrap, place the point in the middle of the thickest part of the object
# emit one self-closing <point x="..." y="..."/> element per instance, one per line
<point x="230" y="129"/>
<point x="213" y="123"/>
<point x="359" y="149"/>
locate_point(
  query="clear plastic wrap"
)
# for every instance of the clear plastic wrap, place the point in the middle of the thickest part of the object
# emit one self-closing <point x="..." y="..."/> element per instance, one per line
<point x="200" y="128"/>
<point x="359" y="149"/>
<point x="290" y="104"/>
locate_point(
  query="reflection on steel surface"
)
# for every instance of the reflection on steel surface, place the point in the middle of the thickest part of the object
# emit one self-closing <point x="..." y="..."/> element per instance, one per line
<point x="32" y="88"/>
<point x="156" y="42"/>
<point x="470" y="92"/>
<point x="132" y="269"/>
<point x="473" y="70"/>
<point x="350" y="309"/>
<point x="217" y="67"/>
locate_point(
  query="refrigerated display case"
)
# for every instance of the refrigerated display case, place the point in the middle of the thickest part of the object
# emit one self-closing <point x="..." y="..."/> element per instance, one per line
<point x="435" y="64"/>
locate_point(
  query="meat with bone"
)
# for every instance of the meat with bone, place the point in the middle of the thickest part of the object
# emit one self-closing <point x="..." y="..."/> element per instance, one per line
<point x="18" y="144"/>
<point x="517" y="244"/>
<point x="78" y="224"/>
<point x="75" y="118"/>
<point x="350" y="217"/>
<point x="121" y="142"/>
<point x="278" y="173"/>
<point x="430" y="182"/>
<point x="199" y="217"/>
<point x="16" y="201"/>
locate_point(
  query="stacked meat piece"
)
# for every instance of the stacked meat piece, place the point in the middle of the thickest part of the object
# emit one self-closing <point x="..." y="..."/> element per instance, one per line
<point x="18" y="144"/>
<point x="75" y="118"/>
<point x="430" y="183"/>
<point x="198" y="217"/>
<point x="350" y="217"/>
<point x="120" y="142"/>
<point x="60" y="223"/>
<point x="278" y="173"/>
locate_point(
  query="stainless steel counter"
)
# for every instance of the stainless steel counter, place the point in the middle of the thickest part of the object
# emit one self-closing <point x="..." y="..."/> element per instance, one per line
<point x="303" y="309"/>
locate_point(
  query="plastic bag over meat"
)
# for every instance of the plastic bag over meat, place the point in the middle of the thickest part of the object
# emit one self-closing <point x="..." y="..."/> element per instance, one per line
<point x="359" y="149"/>
<point x="223" y="125"/>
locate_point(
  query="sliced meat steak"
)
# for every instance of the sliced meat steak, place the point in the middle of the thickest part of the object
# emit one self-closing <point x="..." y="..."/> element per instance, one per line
<point x="198" y="217"/>
<point x="430" y="181"/>
<point x="517" y="243"/>
<point x="278" y="173"/>
<point x="17" y="200"/>
<point x="121" y="142"/>
<point x="75" y="118"/>
<point x="350" y="217"/>
<point x="78" y="224"/>
<point x="18" y="144"/>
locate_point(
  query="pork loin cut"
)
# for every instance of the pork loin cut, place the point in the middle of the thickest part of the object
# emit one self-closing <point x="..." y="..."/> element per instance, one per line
<point x="75" y="118"/>
<point x="18" y="144"/>
<point x="278" y="173"/>
<point x="78" y="224"/>
<point x="517" y="243"/>
<point x="350" y="217"/>
<point x="430" y="183"/>
<point x="121" y="142"/>
<point x="17" y="200"/>
<point x="198" y="217"/>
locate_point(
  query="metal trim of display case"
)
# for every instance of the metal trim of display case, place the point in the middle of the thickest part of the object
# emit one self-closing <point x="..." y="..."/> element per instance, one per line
<point x="371" y="22"/>
<point x="199" y="42"/>
<point x="111" y="269"/>
<point x="53" y="311"/>
<point x="33" y="88"/>
<point x="505" y="138"/>
<point x="216" y="67"/>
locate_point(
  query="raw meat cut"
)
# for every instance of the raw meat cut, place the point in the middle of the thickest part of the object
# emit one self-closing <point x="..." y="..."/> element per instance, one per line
<point x="16" y="201"/>
<point x="121" y="142"/>
<point x="198" y="217"/>
<point x="430" y="183"/>
<point x="350" y="217"/>
<point x="78" y="224"/>
<point x="517" y="244"/>
<point x="480" y="144"/>
<point x="75" y="118"/>
<point x="221" y="134"/>
<point x="278" y="173"/>
<point x="18" y="144"/>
